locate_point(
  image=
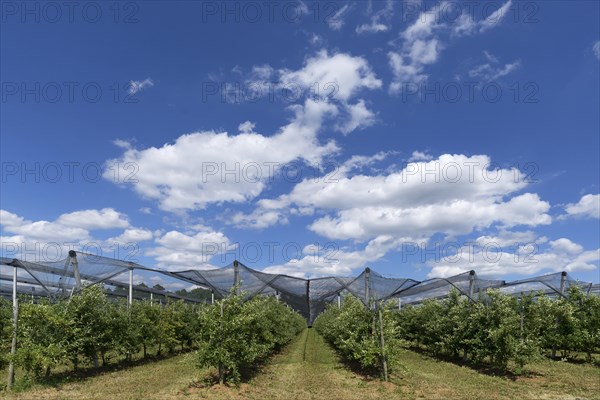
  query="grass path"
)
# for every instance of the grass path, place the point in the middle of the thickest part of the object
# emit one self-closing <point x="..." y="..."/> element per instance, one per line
<point x="309" y="369"/>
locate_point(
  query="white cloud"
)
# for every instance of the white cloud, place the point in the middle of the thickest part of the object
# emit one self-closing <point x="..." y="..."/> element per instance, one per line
<point x="328" y="260"/>
<point x="596" y="49"/>
<point x="106" y="218"/>
<point x="561" y="255"/>
<point x="588" y="206"/>
<point x="131" y="235"/>
<point x="138" y="86"/>
<point x="564" y="245"/>
<point x="337" y="20"/>
<point x="346" y="73"/>
<point x="496" y="17"/>
<point x="490" y="72"/>
<point x="465" y="25"/>
<point x="379" y="21"/>
<point x="458" y="217"/>
<point x="360" y="117"/>
<point x="193" y="171"/>
<point x="451" y="195"/>
<point x="506" y="238"/>
<point x="180" y="251"/>
<point x="419" y="156"/>
<point x="44" y="240"/>
<point x="421" y="42"/>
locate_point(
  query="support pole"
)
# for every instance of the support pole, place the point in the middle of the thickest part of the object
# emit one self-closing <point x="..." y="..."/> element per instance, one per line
<point x="563" y="279"/>
<point x="399" y="303"/>
<point x="13" y="347"/>
<point x="471" y="284"/>
<point x="339" y="297"/>
<point x="212" y="297"/>
<point x="367" y="277"/>
<point x="308" y="302"/>
<point x="236" y="276"/>
<point x="130" y="299"/>
<point x="151" y="299"/>
<point x="75" y="265"/>
<point x="383" y="358"/>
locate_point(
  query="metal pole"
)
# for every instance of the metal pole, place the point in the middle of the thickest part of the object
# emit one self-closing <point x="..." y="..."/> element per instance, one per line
<point x="212" y="297"/>
<point x="339" y="301"/>
<point x="383" y="359"/>
<point x="563" y="279"/>
<point x="236" y="276"/>
<point x="367" y="276"/>
<point x="75" y="265"/>
<point x="471" y="283"/>
<point x="399" y="303"/>
<point x="130" y="300"/>
<point x="13" y="347"/>
<point x="151" y="299"/>
<point x="308" y="302"/>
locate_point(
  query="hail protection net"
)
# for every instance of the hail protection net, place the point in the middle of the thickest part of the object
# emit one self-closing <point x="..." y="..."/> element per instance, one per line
<point x="307" y="296"/>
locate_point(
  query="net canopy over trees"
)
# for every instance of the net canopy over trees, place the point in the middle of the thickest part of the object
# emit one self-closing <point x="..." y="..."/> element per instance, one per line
<point x="308" y="296"/>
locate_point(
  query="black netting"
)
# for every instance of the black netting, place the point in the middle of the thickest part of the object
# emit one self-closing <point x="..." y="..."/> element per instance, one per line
<point x="307" y="296"/>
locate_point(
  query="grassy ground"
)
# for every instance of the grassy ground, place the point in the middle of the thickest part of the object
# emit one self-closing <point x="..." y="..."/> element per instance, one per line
<point x="308" y="369"/>
<point x="428" y="378"/>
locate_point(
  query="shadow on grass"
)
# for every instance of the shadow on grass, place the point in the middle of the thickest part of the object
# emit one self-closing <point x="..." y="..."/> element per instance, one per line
<point x="57" y="379"/>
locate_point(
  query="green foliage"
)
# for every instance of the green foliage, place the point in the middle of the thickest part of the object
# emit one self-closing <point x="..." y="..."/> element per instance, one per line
<point x="5" y="331"/>
<point x="354" y="331"/>
<point x="89" y="325"/>
<point x="237" y="334"/>
<point x="500" y="329"/>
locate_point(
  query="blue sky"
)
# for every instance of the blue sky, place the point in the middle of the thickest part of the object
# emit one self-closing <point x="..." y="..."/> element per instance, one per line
<point x="418" y="138"/>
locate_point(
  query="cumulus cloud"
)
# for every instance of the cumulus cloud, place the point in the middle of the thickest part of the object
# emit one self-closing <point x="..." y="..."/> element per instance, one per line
<point x="419" y="156"/>
<point x="327" y="260"/>
<point x="196" y="169"/>
<point x="560" y="255"/>
<point x="181" y="251"/>
<point x="587" y="207"/>
<point x="451" y="195"/>
<point x="38" y="240"/>
<point x="596" y="49"/>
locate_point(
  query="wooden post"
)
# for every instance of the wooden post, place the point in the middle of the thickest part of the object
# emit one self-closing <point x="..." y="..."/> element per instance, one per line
<point x="13" y="347"/>
<point x="383" y="358"/>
